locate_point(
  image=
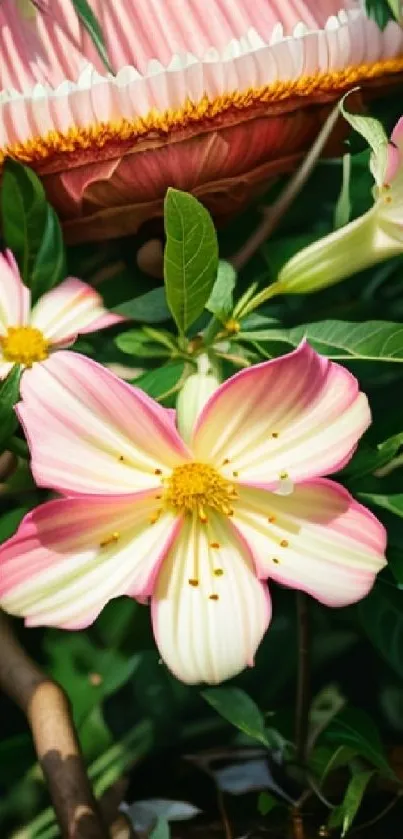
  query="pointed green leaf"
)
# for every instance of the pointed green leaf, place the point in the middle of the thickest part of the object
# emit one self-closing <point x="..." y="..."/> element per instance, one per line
<point x="93" y="27"/>
<point x="374" y="133"/>
<point x="239" y="709"/>
<point x="344" y="815"/>
<point x="9" y="395"/>
<point x="340" y="340"/>
<point x="190" y="258"/>
<point x="393" y="503"/>
<point x="355" y="729"/>
<point x="150" y="307"/>
<point x="31" y="229"/>
<point x="221" y="300"/>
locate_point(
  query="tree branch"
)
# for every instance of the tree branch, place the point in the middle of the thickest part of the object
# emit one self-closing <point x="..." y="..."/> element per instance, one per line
<point x="273" y="215"/>
<point x="47" y="710"/>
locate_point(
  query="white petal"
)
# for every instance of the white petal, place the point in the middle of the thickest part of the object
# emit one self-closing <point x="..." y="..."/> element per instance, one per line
<point x="210" y="631"/>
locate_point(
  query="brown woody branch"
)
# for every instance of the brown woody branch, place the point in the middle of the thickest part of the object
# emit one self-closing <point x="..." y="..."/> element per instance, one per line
<point x="47" y="710"/>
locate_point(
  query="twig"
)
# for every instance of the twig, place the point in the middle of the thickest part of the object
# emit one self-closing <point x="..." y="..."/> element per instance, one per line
<point x="48" y="713"/>
<point x="273" y="216"/>
<point x="303" y="679"/>
<point x="380" y="815"/>
<point x="223" y="814"/>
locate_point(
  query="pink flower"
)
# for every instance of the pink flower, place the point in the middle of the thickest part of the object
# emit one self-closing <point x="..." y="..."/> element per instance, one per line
<point x="209" y="96"/>
<point x="30" y="335"/>
<point x="197" y="528"/>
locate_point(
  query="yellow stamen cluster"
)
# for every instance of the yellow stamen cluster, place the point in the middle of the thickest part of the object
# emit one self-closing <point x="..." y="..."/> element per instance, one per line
<point x="24" y="345"/>
<point x="196" y="487"/>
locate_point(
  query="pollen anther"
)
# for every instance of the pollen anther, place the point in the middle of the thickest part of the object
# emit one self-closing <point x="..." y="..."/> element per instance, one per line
<point x="24" y="345"/>
<point x="114" y="537"/>
<point x="196" y="488"/>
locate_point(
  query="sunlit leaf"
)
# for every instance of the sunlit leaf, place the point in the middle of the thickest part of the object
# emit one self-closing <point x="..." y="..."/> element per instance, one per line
<point x="221" y="300"/>
<point x="190" y="258"/>
<point x="341" y="340"/>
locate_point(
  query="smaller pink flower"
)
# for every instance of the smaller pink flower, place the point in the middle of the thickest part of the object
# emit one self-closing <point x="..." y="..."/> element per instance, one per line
<point x="30" y="335"/>
<point x="197" y="526"/>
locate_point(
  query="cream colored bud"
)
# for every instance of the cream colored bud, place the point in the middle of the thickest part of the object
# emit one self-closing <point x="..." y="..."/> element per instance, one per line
<point x="192" y="398"/>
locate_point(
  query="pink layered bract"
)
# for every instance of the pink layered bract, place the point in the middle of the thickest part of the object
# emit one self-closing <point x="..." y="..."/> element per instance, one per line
<point x="211" y="96"/>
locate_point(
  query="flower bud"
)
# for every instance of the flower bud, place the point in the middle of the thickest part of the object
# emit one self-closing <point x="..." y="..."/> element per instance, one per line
<point x="192" y="398"/>
<point x="373" y="237"/>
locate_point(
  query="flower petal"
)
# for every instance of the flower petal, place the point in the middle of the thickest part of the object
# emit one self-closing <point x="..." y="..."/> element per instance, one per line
<point x="15" y="298"/>
<point x="5" y="367"/>
<point x="70" y="309"/>
<point x="210" y="631"/>
<point x="319" y="539"/>
<point x="71" y="556"/>
<point x="299" y="415"/>
<point x="90" y="432"/>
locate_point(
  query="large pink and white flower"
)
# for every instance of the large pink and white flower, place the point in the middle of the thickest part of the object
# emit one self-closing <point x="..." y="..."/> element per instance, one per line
<point x="197" y="527"/>
<point x="210" y="96"/>
<point x="28" y="335"/>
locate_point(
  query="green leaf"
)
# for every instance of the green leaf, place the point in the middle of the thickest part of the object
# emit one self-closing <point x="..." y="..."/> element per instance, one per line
<point x="151" y="307"/>
<point x="373" y="132"/>
<point x="342" y="210"/>
<point x="136" y="342"/>
<point x="381" y="615"/>
<point x="9" y="395"/>
<point x="190" y="258"/>
<point x="10" y="521"/>
<point x="324" y="760"/>
<point x="49" y="267"/>
<point x="345" y="813"/>
<point x="221" y="300"/>
<point x="239" y="709"/>
<point x="355" y="729"/>
<point x="31" y="229"/>
<point x="161" y="382"/>
<point x="266" y="803"/>
<point x="88" y="673"/>
<point x="392" y="503"/>
<point x="92" y="26"/>
<point x="341" y="340"/>
<point x="382" y="11"/>
<point x="161" y="830"/>
<point x="367" y="460"/>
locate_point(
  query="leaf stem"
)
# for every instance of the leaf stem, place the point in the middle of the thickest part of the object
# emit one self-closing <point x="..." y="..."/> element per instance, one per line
<point x="273" y="216"/>
<point x="18" y="447"/>
<point x="303" y="678"/>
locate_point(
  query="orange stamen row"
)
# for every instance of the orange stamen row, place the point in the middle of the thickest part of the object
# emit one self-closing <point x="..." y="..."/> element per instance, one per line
<point x="103" y="134"/>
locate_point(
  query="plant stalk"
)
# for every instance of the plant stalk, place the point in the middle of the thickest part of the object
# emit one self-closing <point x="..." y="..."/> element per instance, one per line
<point x="303" y="679"/>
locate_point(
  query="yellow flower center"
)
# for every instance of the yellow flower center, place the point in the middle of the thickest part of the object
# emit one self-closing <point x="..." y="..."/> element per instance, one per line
<point x="195" y="487"/>
<point x="24" y="345"/>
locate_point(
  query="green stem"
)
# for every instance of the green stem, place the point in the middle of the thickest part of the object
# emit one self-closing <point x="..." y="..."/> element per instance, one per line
<point x="211" y="331"/>
<point x="303" y="679"/>
<point x="274" y="215"/>
<point x="18" y="447"/>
